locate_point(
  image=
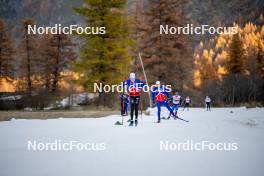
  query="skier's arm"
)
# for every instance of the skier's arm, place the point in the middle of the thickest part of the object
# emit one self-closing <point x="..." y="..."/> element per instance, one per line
<point x="169" y="99"/>
<point x="126" y="84"/>
<point x="167" y="94"/>
<point x="142" y="84"/>
<point x="153" y="97"/>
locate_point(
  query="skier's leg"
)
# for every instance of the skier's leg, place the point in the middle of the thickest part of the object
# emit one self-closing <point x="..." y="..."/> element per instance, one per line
<point x="166" y="104"/>
<point x="128" y="107"/>
<point x="172" y="107"/>
<point x="137" y="99"/>
<point x="176" y="109"/>
<point x="132" y="107"/>
<point x="125" y="108"/>
<point x="121" y="105"/>
<point x="159" y="109"/>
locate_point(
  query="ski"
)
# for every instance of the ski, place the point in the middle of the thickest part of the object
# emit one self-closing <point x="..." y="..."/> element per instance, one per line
<point x="164" y="118"/>
<point x="181" y="119"/>
<point x="156" y="122"/>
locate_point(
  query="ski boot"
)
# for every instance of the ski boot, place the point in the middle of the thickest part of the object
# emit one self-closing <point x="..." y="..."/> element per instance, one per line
<point x="175" y="116"/>
<point x="136" y="122"/>
<point x="131" y="123"/>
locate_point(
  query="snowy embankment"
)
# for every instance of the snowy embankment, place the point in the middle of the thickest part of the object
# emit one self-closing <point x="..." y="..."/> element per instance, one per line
<point x="136" y="151"/>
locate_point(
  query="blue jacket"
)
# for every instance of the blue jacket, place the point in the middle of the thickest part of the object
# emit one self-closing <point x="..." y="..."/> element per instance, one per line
<point x="123" y="96"/>
<point x="159" y="94"/>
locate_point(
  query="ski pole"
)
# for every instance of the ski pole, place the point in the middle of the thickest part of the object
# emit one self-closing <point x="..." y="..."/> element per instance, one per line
<point x="141" y="110"/>
<point x="146" y="79"/>
<point x="123" y="103"/>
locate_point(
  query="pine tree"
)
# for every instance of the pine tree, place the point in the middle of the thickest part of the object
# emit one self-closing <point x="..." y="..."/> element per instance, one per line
<point x="7" y="54"/>
<point x="104" y="57"/>
<point x="28" y="55"/>
<point x="166" y="55"/>
<point x="235" y="66"/>
<point x="236" y="60"/>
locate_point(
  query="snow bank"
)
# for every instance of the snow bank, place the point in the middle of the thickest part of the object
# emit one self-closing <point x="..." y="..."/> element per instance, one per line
<point x="77" y="99"/>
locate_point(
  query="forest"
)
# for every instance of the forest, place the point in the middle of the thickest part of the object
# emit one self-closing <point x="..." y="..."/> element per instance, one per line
<point x="40" y="71"/>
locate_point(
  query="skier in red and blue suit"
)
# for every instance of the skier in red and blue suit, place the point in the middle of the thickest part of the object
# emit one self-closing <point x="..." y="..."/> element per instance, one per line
<point x="134" y="87"/>
<point x="159" y="96"/>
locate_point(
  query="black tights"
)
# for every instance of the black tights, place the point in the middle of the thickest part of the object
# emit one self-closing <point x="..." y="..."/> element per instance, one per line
<point x="134" y="104"/>
<point x="208" y="106"/>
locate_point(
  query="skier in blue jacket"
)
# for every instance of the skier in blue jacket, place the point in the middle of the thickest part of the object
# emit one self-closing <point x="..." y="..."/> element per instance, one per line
<point x="134" y="87"/>
<point x="159" y="96"/>
<point x="124" y="100"/>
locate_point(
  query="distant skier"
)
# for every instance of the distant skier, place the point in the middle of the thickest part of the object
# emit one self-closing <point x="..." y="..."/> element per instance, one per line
<point x="176" y="103"/>
<point x="187" y="103"/>
<point x="159" y="96"/>
<point x="124" y="104"/>
<point x="208" y="103"/>
<point x="134" y="87"/>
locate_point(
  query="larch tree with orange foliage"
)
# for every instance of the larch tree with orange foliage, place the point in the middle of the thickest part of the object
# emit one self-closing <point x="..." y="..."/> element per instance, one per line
<point x="28" y="55"/>
<point x="57" y="52"/>
<point x="63" y="48"/>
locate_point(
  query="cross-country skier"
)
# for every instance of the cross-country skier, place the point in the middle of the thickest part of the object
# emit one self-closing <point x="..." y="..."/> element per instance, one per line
<point x="159" y="96"/>
<point x="187" y="103"/>
<point x="134" y="87"/>
<point x="176" y="103"/>
<point x="124" y="104"/>
<point x="208" y="103"/>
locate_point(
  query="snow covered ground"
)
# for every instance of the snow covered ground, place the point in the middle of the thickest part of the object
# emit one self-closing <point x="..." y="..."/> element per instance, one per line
<point x="135" y="151"/>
